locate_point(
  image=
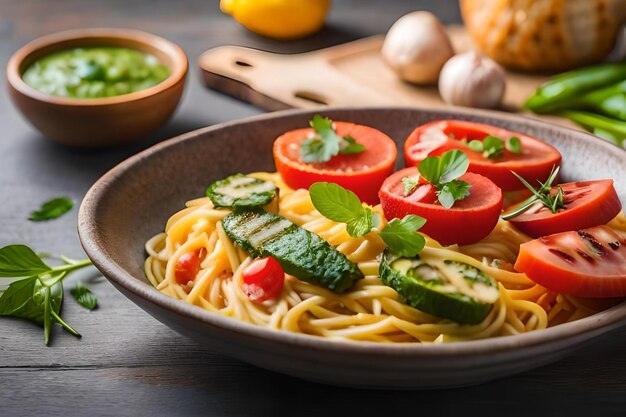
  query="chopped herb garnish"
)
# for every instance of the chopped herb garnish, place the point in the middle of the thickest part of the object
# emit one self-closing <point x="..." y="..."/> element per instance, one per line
<point x="37" y="293"/>
<point x="327" y="143"/>
<point x="409" y="185"/>
<point x="514" y="144"/>
<point x="52" y="209"/>
<point x="543" y="194"/>
<point x="338" y="204"/>
<point x="493" y="147"/>
<point x="443" y="173"/>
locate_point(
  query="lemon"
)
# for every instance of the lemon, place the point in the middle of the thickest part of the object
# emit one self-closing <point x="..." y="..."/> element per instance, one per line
<point x="278" y="19"/>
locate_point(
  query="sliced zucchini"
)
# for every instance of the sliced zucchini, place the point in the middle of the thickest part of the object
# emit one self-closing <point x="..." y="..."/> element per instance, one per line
<point x="446" y="289"/>
<point x="301" y="253"/>
<point x="241" y="191"/>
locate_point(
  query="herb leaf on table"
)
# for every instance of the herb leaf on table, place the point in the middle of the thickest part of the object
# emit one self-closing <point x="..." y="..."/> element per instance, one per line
<point x="52" y="209"/>
<point x="84" y="296"/>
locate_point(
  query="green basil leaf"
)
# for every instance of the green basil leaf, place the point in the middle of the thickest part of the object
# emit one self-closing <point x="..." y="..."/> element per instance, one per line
<point x="84" y="297"/>
<point x="514" y="144"/>
<point x="335" y="202"/>
<point x="401" y="236"/>
<point x="349" y="145"/>
<point x="314" y="150"/>
<point x="453" y="191"/>
<point x="327" y="143"/>
<point x="494" y="147"/>
<point x="323" y="147"/>
<point x="409" y="185"/>
<point x="26" y="299"/>
<point x="20" y="261"/>
<point x="454" y="164"/>
<point x="361" y="225"/>
<point x="430" y="169"/>
<point x="52" y="209"/>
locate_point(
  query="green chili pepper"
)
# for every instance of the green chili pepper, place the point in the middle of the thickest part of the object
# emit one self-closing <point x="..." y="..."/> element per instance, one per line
<point x="608" y="128"/>
<point x="559" y="93"/>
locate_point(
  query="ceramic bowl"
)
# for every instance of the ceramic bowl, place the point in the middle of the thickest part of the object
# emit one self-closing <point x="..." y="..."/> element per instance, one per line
<point x="133" y="201"/>
<point x="98" y="122"/>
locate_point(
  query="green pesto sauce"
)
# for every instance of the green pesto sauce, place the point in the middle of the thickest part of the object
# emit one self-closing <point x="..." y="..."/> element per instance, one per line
<point x="95" y="72"/>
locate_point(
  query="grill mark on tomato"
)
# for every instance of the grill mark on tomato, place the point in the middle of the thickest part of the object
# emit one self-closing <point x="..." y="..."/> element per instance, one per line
<point x="567" y="258"/>
<point x="586" y="256"/>
<point x="593" y="242"/>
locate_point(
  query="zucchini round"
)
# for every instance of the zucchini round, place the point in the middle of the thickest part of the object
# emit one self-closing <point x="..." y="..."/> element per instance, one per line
<point x="434" y="289"/>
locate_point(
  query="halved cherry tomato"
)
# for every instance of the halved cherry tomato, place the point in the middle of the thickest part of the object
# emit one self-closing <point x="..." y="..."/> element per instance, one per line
<point x="533" y="164"/>
<point x="587" y="263"/>
<point x="362" y="173"/>
<point x="188" y="266"/>
<point x="587" y="204"/>
<point x="468" y="221"/>
<point x="263" y="279"/>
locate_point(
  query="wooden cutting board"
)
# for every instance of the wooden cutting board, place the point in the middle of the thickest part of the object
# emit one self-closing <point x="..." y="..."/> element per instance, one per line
<point x="352" y="74"/>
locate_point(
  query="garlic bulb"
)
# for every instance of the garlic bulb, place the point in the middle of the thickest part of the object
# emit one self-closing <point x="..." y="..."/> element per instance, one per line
<point x="472" y="80"/>
<point x="416" y="47"/>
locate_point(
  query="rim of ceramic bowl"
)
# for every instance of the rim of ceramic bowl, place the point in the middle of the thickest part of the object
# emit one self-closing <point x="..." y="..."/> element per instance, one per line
<point x="152" y="42"/>
<point x="89" y="236"/>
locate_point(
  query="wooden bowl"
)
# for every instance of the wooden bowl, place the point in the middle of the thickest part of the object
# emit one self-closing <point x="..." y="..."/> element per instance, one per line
<point x="98" y="122"/>
<point x="132" y="202"/>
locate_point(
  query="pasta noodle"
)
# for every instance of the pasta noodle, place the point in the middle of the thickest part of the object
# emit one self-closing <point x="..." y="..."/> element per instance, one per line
<point x="370" y="310"/>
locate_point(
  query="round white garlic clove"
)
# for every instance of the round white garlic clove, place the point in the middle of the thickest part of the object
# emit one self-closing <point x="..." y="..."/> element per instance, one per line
<point x="416" y="47"/>
<point x="472" y="80"/>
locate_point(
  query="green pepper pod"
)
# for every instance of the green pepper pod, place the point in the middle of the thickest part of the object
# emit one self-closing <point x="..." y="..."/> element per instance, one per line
<point x="558" y="93"/>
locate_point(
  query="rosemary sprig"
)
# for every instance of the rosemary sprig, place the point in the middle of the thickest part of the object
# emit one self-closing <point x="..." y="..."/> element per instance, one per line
<point x="552" y="201"/>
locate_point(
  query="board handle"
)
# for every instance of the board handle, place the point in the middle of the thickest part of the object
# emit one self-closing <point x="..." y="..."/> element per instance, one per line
<point x="279" y="81"/>
<point x="230" y="70"/>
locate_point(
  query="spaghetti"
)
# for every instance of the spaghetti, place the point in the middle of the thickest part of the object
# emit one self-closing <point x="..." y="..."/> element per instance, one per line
<point x="370" y="310"/>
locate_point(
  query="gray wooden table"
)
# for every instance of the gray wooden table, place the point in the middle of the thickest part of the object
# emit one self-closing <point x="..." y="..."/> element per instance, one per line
<point x="127" y="363"/>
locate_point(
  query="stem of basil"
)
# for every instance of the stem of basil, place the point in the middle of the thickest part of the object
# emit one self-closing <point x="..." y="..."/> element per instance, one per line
<point x="66" y="326"/>
<point x="47" y="322"/>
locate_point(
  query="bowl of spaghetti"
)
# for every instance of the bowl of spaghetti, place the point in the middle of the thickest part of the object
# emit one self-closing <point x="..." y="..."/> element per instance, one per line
<point x="142" y="220"/>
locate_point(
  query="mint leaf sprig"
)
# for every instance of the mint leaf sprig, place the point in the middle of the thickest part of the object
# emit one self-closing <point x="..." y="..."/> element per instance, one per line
<point x="553" y="201"/>
<point x="327" y="143"/>
<point x="36" y="292"/>
<point x="443" y="173"/>
<point x="338" y="204"/>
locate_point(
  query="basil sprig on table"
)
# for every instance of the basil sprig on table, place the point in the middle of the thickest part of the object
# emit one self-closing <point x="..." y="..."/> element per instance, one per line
<point x="36" y="290"/>
<point x="443" y="173"/>
<point x="327" y="143"/>
<point x="52" y="209"/>
<point x="338" y="204"/>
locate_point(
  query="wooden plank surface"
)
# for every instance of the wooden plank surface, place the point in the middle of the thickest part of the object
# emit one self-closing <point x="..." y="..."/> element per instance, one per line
<point x="127" y="363"/>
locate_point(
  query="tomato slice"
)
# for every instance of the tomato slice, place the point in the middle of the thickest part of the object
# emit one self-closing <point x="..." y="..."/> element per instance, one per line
<point x="533" y="164"/>
<point x="468" y="221"/>
<point x="587" y="204"/>
<point x="588" y="263"/>
<point x="363" y="173"/>
<point x="263" y="279"/>
<point x="188" y="266"/>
